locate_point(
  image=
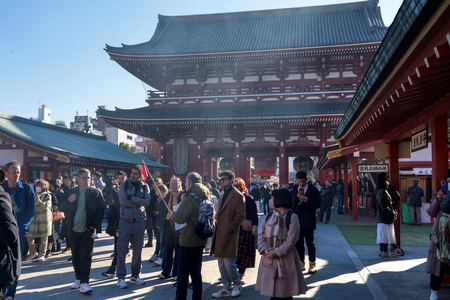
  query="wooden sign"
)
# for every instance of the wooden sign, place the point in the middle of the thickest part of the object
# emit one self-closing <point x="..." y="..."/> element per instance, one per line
<point x="373" y="168"/>
<point x="419" y="140"/>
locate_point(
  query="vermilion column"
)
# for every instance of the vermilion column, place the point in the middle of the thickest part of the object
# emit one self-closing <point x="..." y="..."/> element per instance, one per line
<point x="215" y="168"/>
<point x="200" y="157"/>
<point x="339" y="176"/>
<point x="394" y="174"/>
<point x="238" y="161"/>
<point x="208" y="168"/>
<point x="283" y="164"/>
<point x="162" y="159"/>
<point x="56" y="169"/>
<point x="439" y="150"/>
<point x="355" y="188"/>
<point x="346" y="186"/>
<point x="248" y="171"/>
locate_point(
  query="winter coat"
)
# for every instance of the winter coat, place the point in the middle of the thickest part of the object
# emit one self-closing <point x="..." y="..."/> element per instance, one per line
<point x="160" y="207"/>
<point x="114" y="214"/>
<point x="385" y="210"/>
<point x="133" y="207"/>
<point x="41" y="226"/>
<point x="306" y="211"/>
<point x="95" y="207"/>
<point x="224" y="242"/>
<point x="293" y="284"/>
<point x="417" y="194"/>
<point x="433" y="263"/>
<point x="25" y="207"/>
<point x="327" y="194"/>
<point x="188" y="213"/>
<point x="10" y="261"/>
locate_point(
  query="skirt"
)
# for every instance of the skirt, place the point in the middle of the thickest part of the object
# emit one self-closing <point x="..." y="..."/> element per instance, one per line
<point x="385" y="234"/>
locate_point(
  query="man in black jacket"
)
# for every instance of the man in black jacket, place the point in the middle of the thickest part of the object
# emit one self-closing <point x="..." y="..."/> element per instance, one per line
<point x="306" y="201"/>
<point x="9" y="242"/>
<point x="84" y="212"/>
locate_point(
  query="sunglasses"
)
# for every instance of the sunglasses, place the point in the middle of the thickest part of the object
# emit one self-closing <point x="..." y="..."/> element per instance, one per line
<point x="224" y="179"/>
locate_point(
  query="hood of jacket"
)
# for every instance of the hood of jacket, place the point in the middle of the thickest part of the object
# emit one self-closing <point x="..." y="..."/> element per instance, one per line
<point x="200" y="190"/>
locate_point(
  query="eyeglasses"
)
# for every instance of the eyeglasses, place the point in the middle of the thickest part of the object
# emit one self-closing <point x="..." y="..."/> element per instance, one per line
<point x="224" y="179"/>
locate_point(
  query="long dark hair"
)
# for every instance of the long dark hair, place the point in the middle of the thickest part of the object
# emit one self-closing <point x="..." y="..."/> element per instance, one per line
<point x="381" y="181"/>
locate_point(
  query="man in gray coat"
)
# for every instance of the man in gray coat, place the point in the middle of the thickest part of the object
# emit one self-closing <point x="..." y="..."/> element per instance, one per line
<point x="415" y="193"/>
<point x="134" y="196"/>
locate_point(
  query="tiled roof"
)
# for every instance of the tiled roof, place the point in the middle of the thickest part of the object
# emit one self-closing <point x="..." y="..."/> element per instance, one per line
<point x="340" y="24"/>
<point x="229" y="111"/>
<point x="70" y="143"/>
<point x="412" y="16"/>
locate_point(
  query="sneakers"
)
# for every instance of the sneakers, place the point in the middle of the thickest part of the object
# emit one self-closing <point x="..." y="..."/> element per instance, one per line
<point x="158" y="262"/>
<point x="312" y="268"/>
<point x="162" y="276"/>
<point x="32" y="256"/>
<point x="153" y="258"/>
<point x="222" y="294"/>
<point x="48" y="253"/>
<point x="236" y="292"/>
<point x="388" y="254"/>
<point x="110" y="272"/>
<point x="41" y="258"/>
<point x="75" y="285"/>
<point x="434" y="295"/>
<point x="137" y="280"/>
<point x="122" y="284"/>
<point x="243" y="280"/>
<point x="85" y="288"/>
<point x="303" y="266"/>
<point x="398" y="251"/>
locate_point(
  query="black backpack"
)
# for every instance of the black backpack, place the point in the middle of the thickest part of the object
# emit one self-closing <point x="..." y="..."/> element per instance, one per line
<point x="288" y="218"/>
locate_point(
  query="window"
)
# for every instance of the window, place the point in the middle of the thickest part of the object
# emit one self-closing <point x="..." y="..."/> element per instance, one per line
<point x="129" y="137"/>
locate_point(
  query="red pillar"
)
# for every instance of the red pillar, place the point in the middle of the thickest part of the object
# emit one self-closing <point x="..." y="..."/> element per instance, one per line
<point x="346" y="186"/>
<point x="339" y="172"/>
<point x="394" y="174"/>
<point x="162" y="160"/>
<point x="56" y="169"/>
<point x="355" y="188"/>
<point x="208" y="168"/>
<point x="248" y="171"/>
<point x="283" y="164"/>
<point x="439" y="155"/>
<point x="200" y="157"/>
<point x="238" y="161"/>
<point x="215" y="168"/>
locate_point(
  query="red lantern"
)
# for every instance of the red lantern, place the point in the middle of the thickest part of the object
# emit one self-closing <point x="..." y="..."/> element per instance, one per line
<point x="227" y="164"/>
<point x="265" y="167"/>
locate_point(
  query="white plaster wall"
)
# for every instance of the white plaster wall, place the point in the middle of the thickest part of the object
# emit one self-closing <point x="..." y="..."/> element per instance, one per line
<point x="7" y="155"/>
<point x="348" y="74"/>
<point x="421" y="155"/>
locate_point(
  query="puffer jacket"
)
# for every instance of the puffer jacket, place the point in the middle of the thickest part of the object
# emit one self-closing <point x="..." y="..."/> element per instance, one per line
<point x="188" y="212"/>
<point x="133" y="206"/>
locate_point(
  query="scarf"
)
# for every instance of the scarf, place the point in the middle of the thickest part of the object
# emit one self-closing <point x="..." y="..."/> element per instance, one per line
<point x="274" y="229"/>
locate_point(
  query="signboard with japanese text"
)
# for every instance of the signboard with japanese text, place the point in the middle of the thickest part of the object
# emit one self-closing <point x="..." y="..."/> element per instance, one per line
<point x="373" y="168"/>
<point x="423" y="171"/>
<point x="74" y="170"/>
<point x="141" y="144"/>
<point x="110" y="172"/>
<point x="419" y="140"/>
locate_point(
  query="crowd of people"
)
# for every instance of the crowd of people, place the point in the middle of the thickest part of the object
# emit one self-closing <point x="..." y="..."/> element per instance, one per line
<point x="186" y="219"/>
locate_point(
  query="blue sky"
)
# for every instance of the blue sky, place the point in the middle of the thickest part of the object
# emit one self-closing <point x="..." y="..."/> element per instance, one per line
<point x="52" y="51"/>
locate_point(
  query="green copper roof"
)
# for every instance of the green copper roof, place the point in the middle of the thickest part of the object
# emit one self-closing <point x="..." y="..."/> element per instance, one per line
<point x="340" y="24"/>
<point x="71" y="143"/>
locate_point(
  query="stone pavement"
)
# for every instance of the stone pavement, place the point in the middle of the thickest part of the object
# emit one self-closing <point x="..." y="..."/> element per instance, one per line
<point x="345" y="272"/>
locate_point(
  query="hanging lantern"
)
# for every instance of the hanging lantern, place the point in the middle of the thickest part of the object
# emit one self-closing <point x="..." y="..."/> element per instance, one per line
<point x="304" y="164"/>
<point x="227" y="164"/>
<point x="265" y="167"/>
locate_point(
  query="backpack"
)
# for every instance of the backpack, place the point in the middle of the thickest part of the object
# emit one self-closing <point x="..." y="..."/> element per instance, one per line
<point x="206" y="222"/>
<point x="443" y="243"/>
<point x="288" y="218"/>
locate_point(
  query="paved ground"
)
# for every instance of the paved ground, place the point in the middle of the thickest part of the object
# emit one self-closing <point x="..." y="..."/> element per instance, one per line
<point x="345" y="272"/>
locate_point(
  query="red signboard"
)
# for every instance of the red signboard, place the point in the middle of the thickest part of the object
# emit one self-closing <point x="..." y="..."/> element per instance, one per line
<point x="141" y="144"/>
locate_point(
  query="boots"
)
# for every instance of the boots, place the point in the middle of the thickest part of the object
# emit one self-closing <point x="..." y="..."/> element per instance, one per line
<point x="303" y="266"/>
<point x="312" y="268"/>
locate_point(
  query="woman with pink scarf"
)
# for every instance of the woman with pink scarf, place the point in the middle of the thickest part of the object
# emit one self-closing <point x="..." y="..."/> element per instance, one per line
<point x="279" y="274"/>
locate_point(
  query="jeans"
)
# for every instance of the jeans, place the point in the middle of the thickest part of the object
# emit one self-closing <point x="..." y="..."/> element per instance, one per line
<point x="228" y="271"/>
<point x="171" y="245"/>
<point x="325" y="207"/>
<point x="82" y="251"/>
<point x="157" y="233"/>
<point x="340" y="204"/>
<point x="11" y="290"/>
<point x="189" y="262"/>
<point x="306" y="234"/>
<point x="133" y="232"/>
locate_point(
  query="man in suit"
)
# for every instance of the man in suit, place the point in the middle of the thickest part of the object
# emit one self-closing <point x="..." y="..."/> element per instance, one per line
<point x="306" y="202"/>
<point x="224" y="243"/>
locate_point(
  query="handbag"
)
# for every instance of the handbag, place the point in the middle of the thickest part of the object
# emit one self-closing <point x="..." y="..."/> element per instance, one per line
<point x="408" y="201"/>
<point x="58" y="216"/>
<point x="247" y="225"/>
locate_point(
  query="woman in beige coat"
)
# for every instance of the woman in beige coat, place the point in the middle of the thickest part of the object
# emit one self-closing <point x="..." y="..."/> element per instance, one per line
<point x="280" y="271"/>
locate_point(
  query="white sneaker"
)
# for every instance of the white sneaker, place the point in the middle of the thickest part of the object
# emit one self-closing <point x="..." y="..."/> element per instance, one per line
<point x="75" y="285"/>
<point x="41" y="259"/>
<point x="236" y="292"/>
<point x="434" y="295"/>
<point x="153" y="258"/>
<point x="137" y="281"/>
<point x="31" y="257"/>
<point x="222" y="294"/>
<point x="158" y="261"/>
<point x="122" y="284"/>
<point x="85" y="288"/>
<point x="243" y="280"/>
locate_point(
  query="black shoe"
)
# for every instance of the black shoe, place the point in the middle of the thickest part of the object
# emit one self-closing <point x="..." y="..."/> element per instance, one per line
<point x="110" y="272"/>
<point x="70" y="258"/>
<point x="190" y="285"/>
<point x="48" y="254"/>
<point x="148" y="244"/>
<point x="58" y="246"/>
<point x="112" y="255"/>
